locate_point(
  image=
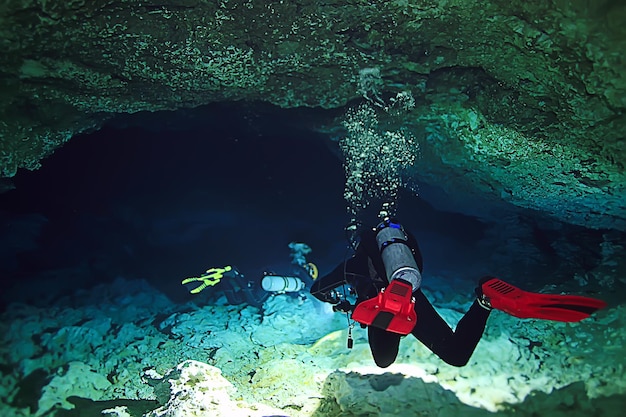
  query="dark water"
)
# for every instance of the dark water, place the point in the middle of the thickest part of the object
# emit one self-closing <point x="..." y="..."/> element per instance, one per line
<point x="166" y="196"/>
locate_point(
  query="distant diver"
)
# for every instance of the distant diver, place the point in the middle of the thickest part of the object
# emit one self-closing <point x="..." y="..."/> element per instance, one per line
<point x="236" y="287"/>
<point x="385" y="272"/>
<point x="240" y="290"/>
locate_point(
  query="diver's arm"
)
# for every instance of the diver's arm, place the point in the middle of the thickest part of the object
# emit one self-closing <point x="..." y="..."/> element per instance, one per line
<point x="323" y="288"/>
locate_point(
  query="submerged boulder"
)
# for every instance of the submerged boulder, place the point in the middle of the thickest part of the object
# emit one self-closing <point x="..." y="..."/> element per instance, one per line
<point x="194" y="388"/>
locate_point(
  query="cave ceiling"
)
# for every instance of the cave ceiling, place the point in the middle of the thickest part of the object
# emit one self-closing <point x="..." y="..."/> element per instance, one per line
<point x="518" y="101"/>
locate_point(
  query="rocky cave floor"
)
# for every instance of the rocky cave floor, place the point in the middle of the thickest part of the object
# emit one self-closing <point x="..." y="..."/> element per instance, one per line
<point x="106" y="350"/>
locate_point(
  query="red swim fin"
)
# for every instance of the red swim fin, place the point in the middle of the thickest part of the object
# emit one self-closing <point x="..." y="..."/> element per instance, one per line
<point x="524" y="304"/>
<point x="393" y="309"/>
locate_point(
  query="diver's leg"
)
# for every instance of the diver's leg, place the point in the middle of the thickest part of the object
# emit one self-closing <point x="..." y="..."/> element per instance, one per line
<point x="453" y="347"/>
<point x="233" y="297"/>
<point x="469" y="330"/>
<point x="254" y="297"/>
<point x="232" y="293"/>
<point x="384" y="345"/>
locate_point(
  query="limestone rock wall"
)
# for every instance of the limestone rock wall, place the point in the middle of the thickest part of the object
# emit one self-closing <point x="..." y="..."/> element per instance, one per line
<point x="522" y="101"/>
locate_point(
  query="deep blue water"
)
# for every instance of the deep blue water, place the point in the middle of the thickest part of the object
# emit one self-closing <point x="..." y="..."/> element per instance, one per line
<point x="166" y="196"/>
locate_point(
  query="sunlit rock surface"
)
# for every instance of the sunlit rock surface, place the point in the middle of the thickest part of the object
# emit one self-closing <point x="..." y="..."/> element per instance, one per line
<point x="521" y="101"/>
<point x="195" y="388"/>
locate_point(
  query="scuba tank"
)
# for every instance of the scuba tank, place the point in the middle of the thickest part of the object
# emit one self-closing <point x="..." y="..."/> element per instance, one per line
<point x="393" y="309"/>
<point x="396" y="254"/>
<point x="281" y="284"/>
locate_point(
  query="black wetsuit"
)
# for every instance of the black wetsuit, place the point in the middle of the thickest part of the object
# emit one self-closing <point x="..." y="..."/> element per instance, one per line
<point x="365" y="272"/>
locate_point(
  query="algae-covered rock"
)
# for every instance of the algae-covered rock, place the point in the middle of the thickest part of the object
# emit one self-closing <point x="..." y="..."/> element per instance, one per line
<point x="78" y="379"/>
<point x="195" y="388"/>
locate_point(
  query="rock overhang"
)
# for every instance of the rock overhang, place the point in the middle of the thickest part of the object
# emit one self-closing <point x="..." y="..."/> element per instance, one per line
<point x="522" y="103"/>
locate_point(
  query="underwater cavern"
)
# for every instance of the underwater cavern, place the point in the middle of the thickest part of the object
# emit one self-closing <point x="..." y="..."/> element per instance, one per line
<point x="178" y="180"/>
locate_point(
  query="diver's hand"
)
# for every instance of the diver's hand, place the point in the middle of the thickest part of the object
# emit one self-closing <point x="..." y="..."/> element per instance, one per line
<point x="343" y="306"/>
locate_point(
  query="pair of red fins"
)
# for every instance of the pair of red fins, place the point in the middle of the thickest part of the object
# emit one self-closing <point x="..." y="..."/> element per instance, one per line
<point x="393" y="308"/>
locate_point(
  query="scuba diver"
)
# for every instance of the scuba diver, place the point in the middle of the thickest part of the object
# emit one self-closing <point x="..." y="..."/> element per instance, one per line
<point x="385" y="272"/>
<point x="237" y="288"/>
<point x="240" y="290"/>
